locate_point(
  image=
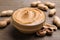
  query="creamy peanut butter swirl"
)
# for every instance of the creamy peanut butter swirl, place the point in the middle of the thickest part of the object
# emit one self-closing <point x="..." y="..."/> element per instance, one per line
<point x="29" y="16"/>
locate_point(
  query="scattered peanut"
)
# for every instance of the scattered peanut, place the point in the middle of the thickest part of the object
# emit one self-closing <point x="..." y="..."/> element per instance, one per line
<point x="8" y="20"/>
<point x="42" y="7"/>
<point x="34" y="4"/>
<point x="50" y="4"/>
<point x="41" y="33"/>
<point x="52" y="12"/>
<point x="53" y="27"/>
<point x="4" y="22"/>
<point x="56" y="21"/>
<point x="6" y="13"/>
<point x="49" y="31"/>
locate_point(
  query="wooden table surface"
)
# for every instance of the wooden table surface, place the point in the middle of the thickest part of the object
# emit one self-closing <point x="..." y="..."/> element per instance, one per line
<point x="10" y="33"/>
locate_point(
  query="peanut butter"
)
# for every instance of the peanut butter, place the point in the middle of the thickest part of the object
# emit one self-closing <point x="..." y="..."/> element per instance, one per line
<point x="28" y="17"/>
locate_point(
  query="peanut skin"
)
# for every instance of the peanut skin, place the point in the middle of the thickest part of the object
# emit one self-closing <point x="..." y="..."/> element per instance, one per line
<point x="56" y="21"/>
<point x="50" y="4"/>
<point x="53" y="27"/>
<point x="34" y="4"/>
<point x="42" y="7"/>
<point x="6" y="13"/>
<point x="41" y="33"/>
<point x="49" y="31"/>
<point x="4" y="22"/>
<point x="52" y="12"/>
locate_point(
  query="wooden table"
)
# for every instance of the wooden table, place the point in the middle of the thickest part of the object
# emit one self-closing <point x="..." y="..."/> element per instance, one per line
<point x="10" y="33"/>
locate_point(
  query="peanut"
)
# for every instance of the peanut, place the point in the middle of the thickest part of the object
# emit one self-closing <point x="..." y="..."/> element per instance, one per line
<point x="42" y="7"/>
<point x="4" y="22"/>
<point x="52" y="12"/>
<point x="6" y="13"/>
<point x="34" y="4"/>
<point x="56" y="21"/>
<point x="50" y="4"/>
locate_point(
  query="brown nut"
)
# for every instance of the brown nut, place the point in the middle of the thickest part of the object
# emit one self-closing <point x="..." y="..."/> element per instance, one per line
<point x="49" y="31"/>
<point x="52" y="12"/>
<point x="34" y="4"/>
<point x="53" y="27"/>
<point x="41" y="33"/>
<point x="42" y="7"/>
<point x="42" y="28"/>
<point x="4" y="22"/>
<point x="8" y="20"/>
<point x="50" y="4"/>
<point x="56" y="21"/>
<point x="6" y="13"/>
